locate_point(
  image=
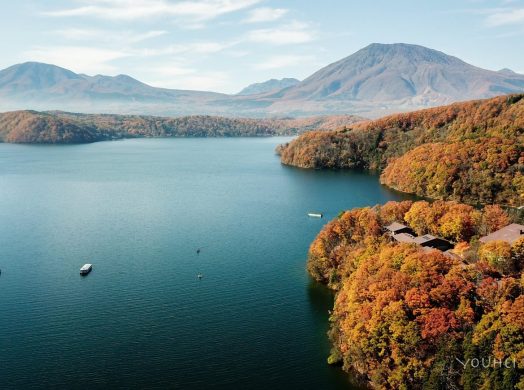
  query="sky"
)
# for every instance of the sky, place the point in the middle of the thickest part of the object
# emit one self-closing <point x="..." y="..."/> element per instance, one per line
<point x="225" y="45"/>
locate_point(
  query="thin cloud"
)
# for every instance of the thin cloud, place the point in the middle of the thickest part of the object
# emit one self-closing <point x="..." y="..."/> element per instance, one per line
<point x="506" y="17"/>
<point x="239" y="53"/>
<point x="135" y="38"/>
<point x="108" y="36"/>
<point x="496" y="16"/>
<point x="283" y="61"/>
<point x="172" y="70"/>
<point x="129" y="10"/>
<point x="183" y="77"/>
<point x="80" y="59"/>
<point x="265" y="14"/>
<point x="202" y="47"/>
<point x="294" y="33"/>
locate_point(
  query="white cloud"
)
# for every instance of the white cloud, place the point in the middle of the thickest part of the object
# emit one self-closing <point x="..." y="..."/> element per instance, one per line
<point x="79" y="59"/>
<point x="283" y="61"/>
<point x="172" y="70"/>
<point x="505" y="17"/>
<point x="108" y="36"/>
<point x="293" y="33"/>
<point x="182" y="77"/>
<point x="199" y="10"/>
<point x="146" y="35"/>
<point x="207" y="47"/>
<point x="238" y="53"/>
<point x="202" y="47"/>
<point x="265" y="14"/>
<point x="209" y="81"/>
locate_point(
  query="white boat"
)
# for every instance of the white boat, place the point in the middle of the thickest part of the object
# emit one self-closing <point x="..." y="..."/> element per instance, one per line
<point x="86" y="268"/>
<point x="315" y="215"/>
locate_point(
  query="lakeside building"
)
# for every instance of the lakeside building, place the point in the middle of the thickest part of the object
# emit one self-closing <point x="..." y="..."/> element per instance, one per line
<point x="398" y="228"/>
<point x="404" y="234"/>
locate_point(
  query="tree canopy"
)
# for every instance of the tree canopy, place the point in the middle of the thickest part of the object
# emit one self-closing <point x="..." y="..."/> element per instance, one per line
<point x="470" y="152"/>
<point x="405" y="317"/>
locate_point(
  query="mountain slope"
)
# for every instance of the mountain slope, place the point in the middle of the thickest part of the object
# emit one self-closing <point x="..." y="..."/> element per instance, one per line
<point x="268" y="86"/>
<point x="401" y="74"/>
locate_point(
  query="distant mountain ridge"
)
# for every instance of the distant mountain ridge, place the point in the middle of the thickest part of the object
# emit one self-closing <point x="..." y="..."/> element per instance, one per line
<point x="268" y="86"/>
<point x="376" y="80"/>
<point x="39" y="86"/>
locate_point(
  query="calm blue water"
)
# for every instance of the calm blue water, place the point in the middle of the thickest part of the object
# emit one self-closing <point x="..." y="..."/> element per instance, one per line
<point x="138" y="210"/>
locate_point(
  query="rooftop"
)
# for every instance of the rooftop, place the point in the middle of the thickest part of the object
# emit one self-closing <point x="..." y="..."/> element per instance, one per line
<point x="424" y="238"/>
<point x="395" y="226"/>
<point x="510" y="234"/>
<point x="404" y="237"/>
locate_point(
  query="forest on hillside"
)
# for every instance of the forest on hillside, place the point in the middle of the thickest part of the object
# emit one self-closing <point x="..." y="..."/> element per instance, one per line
<point x="471" y="152"/>
<point x="407" y="317"/>
<point x="62" y="127"/>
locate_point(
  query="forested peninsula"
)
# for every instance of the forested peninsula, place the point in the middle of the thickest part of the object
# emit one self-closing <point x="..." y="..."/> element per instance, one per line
<point x="409" y="316"/>
<point x="69" y="128"/>
<point x="429" y="295"/>
<point x="470" y="152"/>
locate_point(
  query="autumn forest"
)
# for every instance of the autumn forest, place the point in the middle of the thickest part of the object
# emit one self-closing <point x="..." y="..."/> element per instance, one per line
<point x="470" y="152"/>
<point x="411" y="316"/>
<point x="56" y="127"/>
<point x="408" y="317"/>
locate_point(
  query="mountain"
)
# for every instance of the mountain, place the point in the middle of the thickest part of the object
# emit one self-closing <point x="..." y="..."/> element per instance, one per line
<point x="34" y="85"/>
<point x="400" y="75"/>
<point x="376" y="80"/>
<point x="268" y="86"/>
<point x="507" y="71"/>
<point x="32" y="76"/>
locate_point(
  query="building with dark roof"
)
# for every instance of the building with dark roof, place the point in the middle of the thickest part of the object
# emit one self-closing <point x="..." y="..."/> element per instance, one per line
<point x="427" y="240"/>
<point x="404" y="234"/>
<point x="397" y="228"/>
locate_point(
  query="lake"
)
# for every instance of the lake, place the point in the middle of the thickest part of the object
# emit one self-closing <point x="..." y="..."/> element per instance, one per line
<point x="139" y="210"/>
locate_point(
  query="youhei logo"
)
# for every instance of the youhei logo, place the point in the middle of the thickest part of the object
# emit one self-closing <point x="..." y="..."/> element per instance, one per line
<point x="488" y="363"/>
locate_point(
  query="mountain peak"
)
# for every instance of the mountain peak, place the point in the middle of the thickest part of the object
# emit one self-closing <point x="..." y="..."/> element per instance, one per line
<point x="402" y="73"/>
<point x="268" y="86"/>
<point x="35" y="75"/>
<point x="34" y="66"/>
<point x="409" y="52"/>
<point x="507" y="71"/>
